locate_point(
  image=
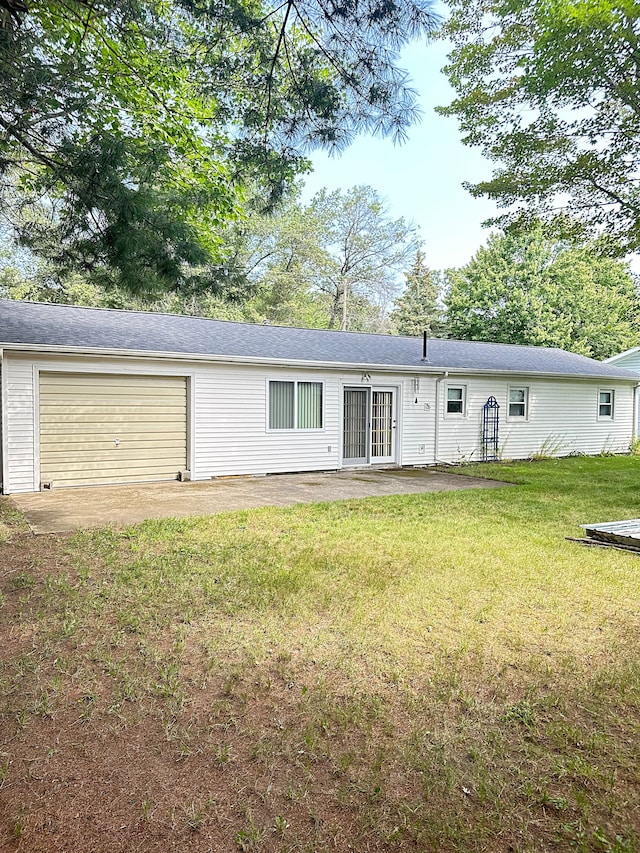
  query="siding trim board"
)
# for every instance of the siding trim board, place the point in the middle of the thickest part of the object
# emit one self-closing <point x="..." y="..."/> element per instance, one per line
<point x="37" y="481"/>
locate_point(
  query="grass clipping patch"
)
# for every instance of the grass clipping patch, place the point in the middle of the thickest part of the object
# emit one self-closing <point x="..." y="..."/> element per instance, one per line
<point x="440" y="672"/>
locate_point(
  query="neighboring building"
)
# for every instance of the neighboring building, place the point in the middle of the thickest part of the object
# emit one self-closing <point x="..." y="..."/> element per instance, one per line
<point x="629" y="360"/>
<point x="94" y="396"/>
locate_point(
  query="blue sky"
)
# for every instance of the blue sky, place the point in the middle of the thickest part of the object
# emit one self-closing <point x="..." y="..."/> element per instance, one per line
<point x="421" y="179"/>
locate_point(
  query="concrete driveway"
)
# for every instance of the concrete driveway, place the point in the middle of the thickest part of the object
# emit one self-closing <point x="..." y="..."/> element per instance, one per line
<point x="64" y="510"/>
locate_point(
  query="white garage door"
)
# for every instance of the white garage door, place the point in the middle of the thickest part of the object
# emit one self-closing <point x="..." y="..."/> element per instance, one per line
<point x="97" y="428"/>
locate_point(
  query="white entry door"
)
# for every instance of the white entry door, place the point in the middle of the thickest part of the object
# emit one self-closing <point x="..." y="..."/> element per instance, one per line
<point x="383" y="425"/>
<point x="369" y="430"/>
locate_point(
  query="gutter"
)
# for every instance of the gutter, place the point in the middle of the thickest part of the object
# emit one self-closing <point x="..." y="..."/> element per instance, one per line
<point x="300" y="363"/>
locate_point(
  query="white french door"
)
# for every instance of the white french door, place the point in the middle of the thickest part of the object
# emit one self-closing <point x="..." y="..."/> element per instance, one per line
<point x="369" y="426"/>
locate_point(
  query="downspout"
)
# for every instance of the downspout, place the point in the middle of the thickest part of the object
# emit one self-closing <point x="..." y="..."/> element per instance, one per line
<point x="437" y="429"/>
<point x="634" y="430"/>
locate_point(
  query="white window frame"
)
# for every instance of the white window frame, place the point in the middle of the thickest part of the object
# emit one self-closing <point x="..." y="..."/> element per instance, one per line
<point x="295" y="427"/>
<point x="462" y="386"/>
<point x="612" y="404"/>
<point x="510" y="402"/>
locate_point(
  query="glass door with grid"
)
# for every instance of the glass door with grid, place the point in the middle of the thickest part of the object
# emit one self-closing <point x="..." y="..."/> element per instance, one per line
<point x="369" y="426"/>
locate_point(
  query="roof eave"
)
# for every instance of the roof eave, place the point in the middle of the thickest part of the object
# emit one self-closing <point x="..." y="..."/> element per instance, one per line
<point x="422" y="367"/>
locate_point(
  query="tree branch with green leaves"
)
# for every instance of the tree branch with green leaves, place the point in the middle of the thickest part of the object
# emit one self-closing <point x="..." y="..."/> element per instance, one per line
<point x="129" y="129"/>
<point x="549" y="92"/>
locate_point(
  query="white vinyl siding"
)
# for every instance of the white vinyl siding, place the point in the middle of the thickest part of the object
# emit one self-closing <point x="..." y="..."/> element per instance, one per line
<point x="231" y="423"/>
<point x="630" y="361"/>
<point x="19" y="421"/>
<point x="417" y="421"/>
<point x="562" y="419"/>
<point x="227" y="416"/>
<point x="97" y="429"/>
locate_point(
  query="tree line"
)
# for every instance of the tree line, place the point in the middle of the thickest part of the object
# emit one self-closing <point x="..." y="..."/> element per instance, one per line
<point x="343" y="262"/>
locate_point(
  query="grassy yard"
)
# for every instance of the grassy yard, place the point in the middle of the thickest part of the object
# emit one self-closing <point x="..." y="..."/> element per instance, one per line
<point x="442" y="672"/>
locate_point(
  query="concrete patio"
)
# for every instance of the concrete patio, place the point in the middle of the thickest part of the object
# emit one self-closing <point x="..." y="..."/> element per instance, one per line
<point x="66" y="510"/>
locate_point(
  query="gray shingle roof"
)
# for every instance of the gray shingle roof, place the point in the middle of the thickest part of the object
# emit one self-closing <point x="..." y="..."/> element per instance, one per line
<point x="71" y="328"/>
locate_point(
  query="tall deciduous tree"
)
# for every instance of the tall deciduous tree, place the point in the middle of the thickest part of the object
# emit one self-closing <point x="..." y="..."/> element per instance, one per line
<point x="367" y="252"/>
<point x="336" y="262"/>
<point x="128" y="127"/>
<point x="418" y="309"/>
<point x="528" y="289"/>
<point x="549" y="90"/>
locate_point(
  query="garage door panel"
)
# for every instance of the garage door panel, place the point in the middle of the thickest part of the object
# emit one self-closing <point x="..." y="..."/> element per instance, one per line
<point x="107" y="413"/>
<point x="137" y="439"/>
<point x="117" y="456"/>
<point x="117" y="420"/>
<point x="115" y="399"/>
<point x="89" y="442"/>
<point x="88" y="380"/>
<point x="81" y="415"/>
<point x="84" y="389"/>
<point x="123" y="402"/>
<point x="69" y="471"/>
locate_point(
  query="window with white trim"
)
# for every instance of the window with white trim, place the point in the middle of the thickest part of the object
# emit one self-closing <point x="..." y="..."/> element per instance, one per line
<point x="456" y="399"/>
<point x="518" y="402"/>
<point x="295" y="405"/>
<point x="605" y="403"/>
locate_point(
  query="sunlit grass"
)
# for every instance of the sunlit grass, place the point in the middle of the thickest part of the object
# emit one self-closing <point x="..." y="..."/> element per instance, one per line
<point x="450" y="664"/>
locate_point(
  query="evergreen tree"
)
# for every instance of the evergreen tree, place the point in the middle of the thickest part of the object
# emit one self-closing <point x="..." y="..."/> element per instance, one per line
<point x="418" y="310"/>
<point x="130" y="128"/>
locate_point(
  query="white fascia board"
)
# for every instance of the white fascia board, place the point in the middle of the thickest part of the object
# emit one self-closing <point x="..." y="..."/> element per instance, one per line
<point x="39" y="349"/>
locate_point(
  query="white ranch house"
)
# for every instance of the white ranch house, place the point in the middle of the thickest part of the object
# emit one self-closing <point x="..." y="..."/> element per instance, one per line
<point x="93" y="396"/>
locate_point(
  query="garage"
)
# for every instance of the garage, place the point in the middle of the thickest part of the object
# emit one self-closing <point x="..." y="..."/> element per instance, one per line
<point x="97" y="429"/>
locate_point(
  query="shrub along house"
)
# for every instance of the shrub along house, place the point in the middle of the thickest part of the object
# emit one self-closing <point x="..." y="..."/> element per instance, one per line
<point x="94" y="396"/>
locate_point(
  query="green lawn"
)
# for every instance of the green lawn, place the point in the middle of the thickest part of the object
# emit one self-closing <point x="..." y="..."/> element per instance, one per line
<point x="433" y="672"/>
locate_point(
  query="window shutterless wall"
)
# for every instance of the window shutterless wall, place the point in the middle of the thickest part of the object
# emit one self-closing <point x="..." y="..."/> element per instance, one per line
<point x="561" y="417"/>
<point x="233" y="435"/>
